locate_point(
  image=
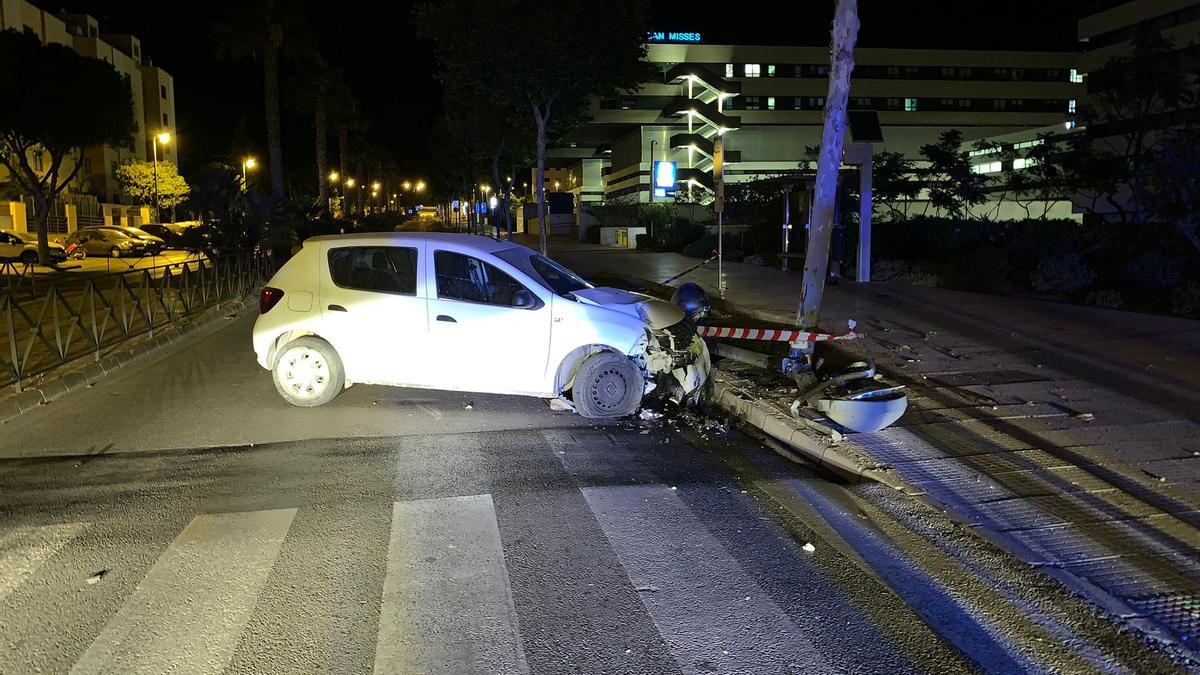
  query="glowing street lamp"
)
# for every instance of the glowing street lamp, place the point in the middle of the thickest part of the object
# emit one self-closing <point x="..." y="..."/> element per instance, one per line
<point x="419" y="186"/>
<point x="407" y="185"/>
<point x="350" y="183"/>
<point x="333" y="176"/>
<point x="162" y="138"/>
<point x="247" y="164"/>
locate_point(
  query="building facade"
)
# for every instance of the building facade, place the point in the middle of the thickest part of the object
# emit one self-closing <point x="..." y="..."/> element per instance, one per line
<point x="766" y="102"/>
<point x="152" y="89"/>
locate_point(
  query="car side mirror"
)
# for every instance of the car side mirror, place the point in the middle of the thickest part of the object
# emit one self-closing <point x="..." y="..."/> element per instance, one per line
<point x="523" y="299"/>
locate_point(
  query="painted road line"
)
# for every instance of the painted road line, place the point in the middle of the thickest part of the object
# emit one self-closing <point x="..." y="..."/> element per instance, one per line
<point x="24" y="549"/>
<point x="447" y="605"/>
<point x="191" y="607"/>
<point x="713" y="615"/>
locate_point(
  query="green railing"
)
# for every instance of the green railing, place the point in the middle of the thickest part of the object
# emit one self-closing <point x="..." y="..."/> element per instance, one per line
<point x="73" y="315"/>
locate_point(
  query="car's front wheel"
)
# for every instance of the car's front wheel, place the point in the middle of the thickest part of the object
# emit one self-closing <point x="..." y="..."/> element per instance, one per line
<point x="308" y="372"/>
<point x="114" y="252"/>
<point x="607" y="385"/>
<point x="29" y="257"/>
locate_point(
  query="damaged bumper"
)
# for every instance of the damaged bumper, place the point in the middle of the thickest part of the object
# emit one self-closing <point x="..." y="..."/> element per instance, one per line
<point x="675" y="361"/>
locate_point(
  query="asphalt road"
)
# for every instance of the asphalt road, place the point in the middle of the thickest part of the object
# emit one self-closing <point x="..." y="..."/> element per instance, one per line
<point x="179" y="517"/>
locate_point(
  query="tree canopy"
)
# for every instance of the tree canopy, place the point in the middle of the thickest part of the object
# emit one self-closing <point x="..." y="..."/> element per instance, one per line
<point x="137" y="181"/>
<point x="80" y="102"/>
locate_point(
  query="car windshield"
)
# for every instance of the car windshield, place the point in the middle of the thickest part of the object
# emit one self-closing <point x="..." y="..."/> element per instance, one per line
<point x="550" y="274"/>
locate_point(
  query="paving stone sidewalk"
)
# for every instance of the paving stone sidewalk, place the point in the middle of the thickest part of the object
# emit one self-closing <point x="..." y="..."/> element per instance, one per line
<point x="1068" y="435"/>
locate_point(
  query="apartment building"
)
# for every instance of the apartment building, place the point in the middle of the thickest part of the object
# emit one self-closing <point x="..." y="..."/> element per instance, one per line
<point x="152" y="88"/>
<point x="766" y="104"/>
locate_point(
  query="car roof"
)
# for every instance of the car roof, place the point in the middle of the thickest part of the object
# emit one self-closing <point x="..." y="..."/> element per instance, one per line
<point x="475" y="241"/>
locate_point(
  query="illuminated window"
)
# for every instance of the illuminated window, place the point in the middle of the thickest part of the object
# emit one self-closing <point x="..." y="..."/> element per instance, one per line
<point x="771" y="70"/>
<point x="999" y="104"/>
<point x="910" y="105"/>
<point x="39" y="163"/>
<point x="752" y="69"/>
<point x="771" y="101"/>
<point x="987" y="167"/>
<point x="1071" y="106"/>
<point x="815" y="102"/>
<point x="1027" y="144"/>
<point x="1076" y="76"/>
<point x="728" y="70"/>
<point x="1023" y="162"/>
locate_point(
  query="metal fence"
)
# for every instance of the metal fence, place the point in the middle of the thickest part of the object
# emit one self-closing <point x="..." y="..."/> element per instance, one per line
<point x="79" y="316"/>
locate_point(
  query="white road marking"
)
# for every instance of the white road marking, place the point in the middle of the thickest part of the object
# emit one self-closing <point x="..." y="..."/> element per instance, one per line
<point x="432" y="413"/>
<point x="191" y="607"/>
<point x="447" y="605"/>
<point x="24" y="549"/>
<point x="713" y="615"/>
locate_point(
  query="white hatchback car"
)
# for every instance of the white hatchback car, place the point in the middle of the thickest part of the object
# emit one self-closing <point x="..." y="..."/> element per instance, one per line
<point x="468" y="313"/>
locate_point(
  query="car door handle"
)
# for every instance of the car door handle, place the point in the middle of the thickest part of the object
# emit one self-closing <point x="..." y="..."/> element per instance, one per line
<point x="337" y="308"/>
<point x="446" y="318"/>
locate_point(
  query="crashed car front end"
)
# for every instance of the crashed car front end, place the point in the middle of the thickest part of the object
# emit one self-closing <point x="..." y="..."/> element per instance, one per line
<point x="675" y="361"/>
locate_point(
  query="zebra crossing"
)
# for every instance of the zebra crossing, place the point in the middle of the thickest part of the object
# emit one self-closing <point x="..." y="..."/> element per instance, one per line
<point x="446" y="603"/>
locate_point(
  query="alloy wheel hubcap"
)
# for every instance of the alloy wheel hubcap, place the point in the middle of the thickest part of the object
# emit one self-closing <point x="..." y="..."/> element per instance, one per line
<point x="303" y="372"/>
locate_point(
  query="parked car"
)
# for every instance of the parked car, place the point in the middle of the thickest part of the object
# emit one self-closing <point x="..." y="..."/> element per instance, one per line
<point x="153" y="244"/>
<point x="107" y="242"/>
<point x="173" y="236"/>
<point x="467" y="313"/>
<point x="23" y="246"/>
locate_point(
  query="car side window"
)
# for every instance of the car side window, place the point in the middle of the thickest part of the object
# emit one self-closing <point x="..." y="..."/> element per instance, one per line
<point x="383" y="269"/>
<point x="461" y="277"/>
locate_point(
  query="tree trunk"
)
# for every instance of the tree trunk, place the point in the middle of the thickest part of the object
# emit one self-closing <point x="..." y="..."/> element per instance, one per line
<point x="41" y="219"/>
<point x="322" y="149"/>
<point x="540" y="179"/>
<point x="816" y="259"/>
<point x="271" y="95"/>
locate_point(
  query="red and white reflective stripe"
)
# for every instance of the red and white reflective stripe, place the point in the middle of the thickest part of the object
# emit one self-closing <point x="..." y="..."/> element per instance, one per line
<point x="771" y="334"/>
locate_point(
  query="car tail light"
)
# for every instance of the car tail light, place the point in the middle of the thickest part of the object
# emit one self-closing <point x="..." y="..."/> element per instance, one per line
<point x="269" y="298"/>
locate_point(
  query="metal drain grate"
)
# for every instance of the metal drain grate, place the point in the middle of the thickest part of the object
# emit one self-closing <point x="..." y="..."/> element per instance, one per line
<point x="1179" y="611"/>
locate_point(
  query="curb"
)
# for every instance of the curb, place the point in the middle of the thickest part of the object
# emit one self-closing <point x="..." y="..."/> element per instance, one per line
<point x="52" y="390"/>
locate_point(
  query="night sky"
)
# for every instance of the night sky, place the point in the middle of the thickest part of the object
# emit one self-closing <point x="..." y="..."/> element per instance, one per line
<point x="219" y="105"/>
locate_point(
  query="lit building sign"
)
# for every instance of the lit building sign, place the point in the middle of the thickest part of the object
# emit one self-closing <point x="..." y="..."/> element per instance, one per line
<point x="664" y="175"/>
<point x="659" y="36"/>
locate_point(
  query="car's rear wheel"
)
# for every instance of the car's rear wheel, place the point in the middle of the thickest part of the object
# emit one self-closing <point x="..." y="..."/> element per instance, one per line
<point x="29" y="257"/>
<point x="308" y="372"/>
<point x="607" y="385"/>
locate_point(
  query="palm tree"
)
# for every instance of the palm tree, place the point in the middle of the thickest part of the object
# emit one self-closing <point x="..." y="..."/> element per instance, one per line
<point x="315" y="90"/>
<point x="255" y="30"/>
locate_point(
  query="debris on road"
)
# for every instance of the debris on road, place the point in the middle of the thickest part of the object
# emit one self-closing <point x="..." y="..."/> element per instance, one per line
<point x="808" y="547"/>
<point x="95" y="578"/>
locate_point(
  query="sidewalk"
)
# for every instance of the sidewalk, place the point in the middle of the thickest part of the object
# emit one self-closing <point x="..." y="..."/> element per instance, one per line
<point x="1068" y="435"/>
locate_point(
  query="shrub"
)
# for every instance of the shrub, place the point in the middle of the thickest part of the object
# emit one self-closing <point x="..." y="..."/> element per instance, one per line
<point x="1063" y="273"/>
<point x="644" y="243"/>
<point x="592" y="234"/>
<point x="888" y="270"/>
<point x="1105" y="297"/>
<point x="701" y="248"/>
<point x="983" y="269"/>
<point x="1185" y="300"/>
<point x="1154" y="272"/>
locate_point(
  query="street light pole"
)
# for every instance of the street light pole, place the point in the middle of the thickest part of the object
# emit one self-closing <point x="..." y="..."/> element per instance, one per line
<point x="163" y="138"/>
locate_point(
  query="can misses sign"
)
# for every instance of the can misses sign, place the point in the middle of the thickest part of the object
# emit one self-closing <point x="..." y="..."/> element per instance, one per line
<point x="659" y="36"/>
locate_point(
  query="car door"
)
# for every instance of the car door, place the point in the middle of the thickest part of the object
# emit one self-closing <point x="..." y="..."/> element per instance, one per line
<point x="373" y="311"/>
<point x="478" y="340"/>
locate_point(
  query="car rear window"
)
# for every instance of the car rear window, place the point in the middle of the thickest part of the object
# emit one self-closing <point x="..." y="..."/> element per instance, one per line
<point x="383" y="269"/>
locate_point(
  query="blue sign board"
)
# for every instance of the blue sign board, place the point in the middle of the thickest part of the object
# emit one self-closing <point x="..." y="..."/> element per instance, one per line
<point x="660" y="36"/>
<point x="664" y="175"/>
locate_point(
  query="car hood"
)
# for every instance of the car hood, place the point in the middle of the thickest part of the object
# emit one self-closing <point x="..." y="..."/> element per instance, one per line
<point x="656" y="313"/>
